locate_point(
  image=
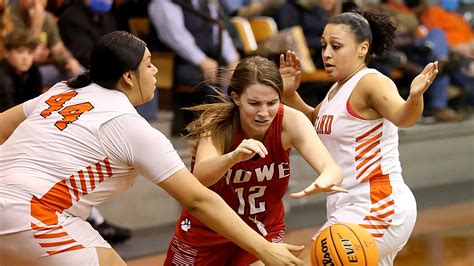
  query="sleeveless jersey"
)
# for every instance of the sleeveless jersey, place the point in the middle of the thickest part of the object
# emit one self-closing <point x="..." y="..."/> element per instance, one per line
<point x="366" y="150"/>
<point x="253" y="189"/>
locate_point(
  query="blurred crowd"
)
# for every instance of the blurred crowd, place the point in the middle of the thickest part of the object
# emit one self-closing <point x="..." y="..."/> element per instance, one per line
<point x="44" y="42"/>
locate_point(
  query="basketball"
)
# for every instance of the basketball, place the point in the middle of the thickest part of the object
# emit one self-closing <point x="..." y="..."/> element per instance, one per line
<point x="344" y="244"/>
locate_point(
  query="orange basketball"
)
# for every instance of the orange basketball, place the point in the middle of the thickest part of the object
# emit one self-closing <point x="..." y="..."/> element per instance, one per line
<point x="344" y="244"/>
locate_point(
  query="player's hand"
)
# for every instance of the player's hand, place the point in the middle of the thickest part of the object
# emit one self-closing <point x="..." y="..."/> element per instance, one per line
<point x="421" y="82"/>
<point x="319" y="185"/>
<point x="247" y="149"/>
<point x="290" y="71"/>
<point x="281" y="254"/>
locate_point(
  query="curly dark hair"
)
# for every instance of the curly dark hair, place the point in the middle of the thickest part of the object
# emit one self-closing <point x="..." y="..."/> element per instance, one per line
<point x="376" y="27"/>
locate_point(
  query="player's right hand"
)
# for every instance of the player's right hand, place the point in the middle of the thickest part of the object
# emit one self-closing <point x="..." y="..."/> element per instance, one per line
<point x="247" y="149"/>
<point x="282" y="254"/>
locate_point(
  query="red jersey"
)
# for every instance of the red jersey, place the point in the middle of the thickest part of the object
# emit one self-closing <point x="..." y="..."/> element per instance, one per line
<point x="253" y="189"/>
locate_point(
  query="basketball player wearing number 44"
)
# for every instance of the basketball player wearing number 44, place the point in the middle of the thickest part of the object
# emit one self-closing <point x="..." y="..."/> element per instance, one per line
<point x="357" y="122"/>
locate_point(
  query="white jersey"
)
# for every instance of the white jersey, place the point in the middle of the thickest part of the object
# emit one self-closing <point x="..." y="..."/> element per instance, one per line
<point x="364" y="149"/>
<point x="77" y="148"/>
<point x="367" y="152"/>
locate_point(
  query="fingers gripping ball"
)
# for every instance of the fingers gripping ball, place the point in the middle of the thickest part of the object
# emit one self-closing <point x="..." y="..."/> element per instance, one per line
<point x="344" y="244"/>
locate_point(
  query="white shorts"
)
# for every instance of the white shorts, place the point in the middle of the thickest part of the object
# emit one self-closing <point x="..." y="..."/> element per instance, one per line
<point x="389" y="217"/>
<point x="26" y="241"/>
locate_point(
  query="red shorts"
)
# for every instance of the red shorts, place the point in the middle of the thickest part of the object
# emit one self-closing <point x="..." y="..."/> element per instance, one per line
<point x="182" y="253"/>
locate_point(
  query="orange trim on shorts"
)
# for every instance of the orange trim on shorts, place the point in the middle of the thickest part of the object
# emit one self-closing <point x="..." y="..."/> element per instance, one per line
<point x="375" y="226"/>
<point x="55" y="244"/>
<point x="383" y="206"/>
<point x="64" y="250"/>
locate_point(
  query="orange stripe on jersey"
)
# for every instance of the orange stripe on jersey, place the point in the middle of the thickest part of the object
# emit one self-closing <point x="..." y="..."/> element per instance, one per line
<point x="371" y="147"/>
<point x="383" y="206"/>
<point x="375" y="226"/>
<point x="64" y="250"/>
<point x="107" y="166"/>
<point x="359" y="138"/>
<point x="91" y="177"/>
<point x="374" y="138"/>
<point x="83" y="182"/>
<point x="366" y="160"/>
<point x="367" y="167"/>
<point x="74" y="187"/>
<point x="56" y="199"/>
<point x="55" y="235"/>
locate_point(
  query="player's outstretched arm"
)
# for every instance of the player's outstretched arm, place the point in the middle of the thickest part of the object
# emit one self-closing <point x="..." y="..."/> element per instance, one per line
<point x="208" y="207"/>
<point x="307" y="143"/>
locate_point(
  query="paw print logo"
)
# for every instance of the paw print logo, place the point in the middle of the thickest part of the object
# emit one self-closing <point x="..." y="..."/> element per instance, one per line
<point x="185" y="224"/>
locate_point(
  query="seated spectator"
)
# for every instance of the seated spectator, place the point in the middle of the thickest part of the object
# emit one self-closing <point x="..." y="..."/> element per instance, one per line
<point x="57" y="62"/>
<point x="189" y="29"/>
<point x="460" y="41"/>
<point x="20" y="79"/>
<point x="81" y="25"/>
<point x="418" y="48"/>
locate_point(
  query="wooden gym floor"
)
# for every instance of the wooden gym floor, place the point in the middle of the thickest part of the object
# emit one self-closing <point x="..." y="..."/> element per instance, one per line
<point x="442" y="236"/>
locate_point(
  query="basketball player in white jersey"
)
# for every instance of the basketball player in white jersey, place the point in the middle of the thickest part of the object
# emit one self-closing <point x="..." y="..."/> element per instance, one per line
<point x="357" y="122"/>
<point x="82" y="142"/>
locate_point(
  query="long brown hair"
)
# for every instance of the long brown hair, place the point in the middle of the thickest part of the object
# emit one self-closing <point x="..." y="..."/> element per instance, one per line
<point x="221" y="120"/>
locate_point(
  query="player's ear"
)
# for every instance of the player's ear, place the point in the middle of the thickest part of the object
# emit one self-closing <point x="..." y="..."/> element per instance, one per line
<point x="363" y="49"/>
<point x="235" y="98"/>
<point x="127" y="78"/>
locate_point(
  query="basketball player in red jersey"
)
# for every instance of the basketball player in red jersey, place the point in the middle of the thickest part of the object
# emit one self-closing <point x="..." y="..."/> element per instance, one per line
<point x="243" y="155"/>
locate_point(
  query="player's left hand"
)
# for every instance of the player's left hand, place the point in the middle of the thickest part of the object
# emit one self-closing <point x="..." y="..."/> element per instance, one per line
<point x="421" y="82"/>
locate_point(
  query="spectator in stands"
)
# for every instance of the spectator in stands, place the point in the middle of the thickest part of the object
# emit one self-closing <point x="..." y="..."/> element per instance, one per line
<point x="20" y="79"/>
<point x="31" y="16"/>
<point x="189" y="30"/>
<point x="6" y="24"/>
<point x="460" y="40"/>
<point x="420" y="48"/>
<point x="81" y="25"/>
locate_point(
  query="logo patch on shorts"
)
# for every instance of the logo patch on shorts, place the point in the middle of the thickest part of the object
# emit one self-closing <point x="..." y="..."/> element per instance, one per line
<point x="185" y="224"/>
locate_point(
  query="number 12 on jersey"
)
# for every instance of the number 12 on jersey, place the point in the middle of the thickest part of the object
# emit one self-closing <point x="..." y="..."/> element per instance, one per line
<point x="255" y="192"/>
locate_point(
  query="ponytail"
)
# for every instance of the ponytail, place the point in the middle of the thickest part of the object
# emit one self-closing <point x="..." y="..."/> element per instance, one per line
<point x="80" y="81"/>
